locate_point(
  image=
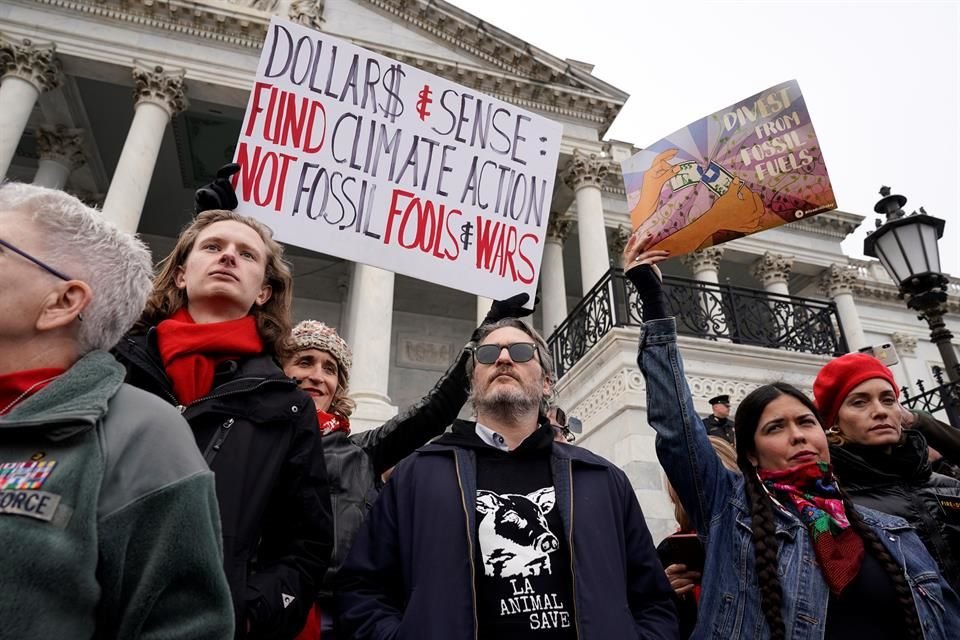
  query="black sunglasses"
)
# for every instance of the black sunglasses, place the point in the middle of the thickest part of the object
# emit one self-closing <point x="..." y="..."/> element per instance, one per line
<point x="519" y="352"/>
<point x="35" y="261"/>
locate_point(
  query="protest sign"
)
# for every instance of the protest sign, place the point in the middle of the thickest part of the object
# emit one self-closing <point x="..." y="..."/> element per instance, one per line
<point x="752" y="166"/>
<point x="352" y="154"/>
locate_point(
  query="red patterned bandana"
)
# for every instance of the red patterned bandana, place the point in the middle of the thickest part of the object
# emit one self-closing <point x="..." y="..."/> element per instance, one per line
<point x="812" y="490"/>
<point x="330" y="422"/>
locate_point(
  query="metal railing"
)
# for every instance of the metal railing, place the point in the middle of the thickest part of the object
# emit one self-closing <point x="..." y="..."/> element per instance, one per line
<point x="703" y="310"/>
<point x="944" y="397"/>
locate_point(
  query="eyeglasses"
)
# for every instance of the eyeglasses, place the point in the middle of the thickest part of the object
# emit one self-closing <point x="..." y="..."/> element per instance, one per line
<point x="566" y="426"/>
<point x="39" y="263"/>
<point x="519" y="352"/>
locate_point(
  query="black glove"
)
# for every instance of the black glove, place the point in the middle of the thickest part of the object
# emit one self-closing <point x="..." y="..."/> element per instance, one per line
<point x="219" y="194"/>
<point x="650" y="292"/>
<point x="512" y="307"/>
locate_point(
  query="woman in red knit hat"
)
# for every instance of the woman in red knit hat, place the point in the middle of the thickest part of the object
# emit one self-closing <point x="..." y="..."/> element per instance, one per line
<point x="882" y="465"/>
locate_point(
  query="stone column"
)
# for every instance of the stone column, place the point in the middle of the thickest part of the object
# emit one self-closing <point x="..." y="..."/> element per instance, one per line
<point x="28" y="71"/>
<point x="370" y="329"/>
<point x="61" y="151"/>
<point x="837" y="283"/>
<point x="553" y="286"/>
<point x="483" y="307"/>
<point x="705" y="266"/>
<point x="586" y="176"/>
<point x="772" y="270"/>
<point x="159" y="95"/>
<point x="906" y="346"/>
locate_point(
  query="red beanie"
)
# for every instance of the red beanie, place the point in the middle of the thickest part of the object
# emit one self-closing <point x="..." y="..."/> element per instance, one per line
<point x="839" y="376"/>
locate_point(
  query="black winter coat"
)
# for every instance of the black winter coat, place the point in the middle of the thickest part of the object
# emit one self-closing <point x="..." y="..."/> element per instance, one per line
<point x="356" y="462"/>
<point x="902" y="484"/>
<point x="259" y="435"/>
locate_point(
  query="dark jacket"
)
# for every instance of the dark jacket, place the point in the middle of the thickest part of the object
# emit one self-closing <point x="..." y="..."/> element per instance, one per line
<point x="122" y="538"/>
<point x="259" y="434"/>
<point x="356" y="462"/>
<point x="902" y="484"/>
<point x="720" y="427"/>
<point x="410" y="573"/>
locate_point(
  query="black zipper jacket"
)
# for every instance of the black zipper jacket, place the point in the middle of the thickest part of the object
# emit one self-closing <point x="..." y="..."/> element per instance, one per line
<point x="259" y="435"/>
<point x="902" y="484"/>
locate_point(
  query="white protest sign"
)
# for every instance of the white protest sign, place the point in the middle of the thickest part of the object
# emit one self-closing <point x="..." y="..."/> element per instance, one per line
<point x="355" y="155"/>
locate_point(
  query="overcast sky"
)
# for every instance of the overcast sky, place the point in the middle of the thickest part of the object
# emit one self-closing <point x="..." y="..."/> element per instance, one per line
<point x="881" y="80"/>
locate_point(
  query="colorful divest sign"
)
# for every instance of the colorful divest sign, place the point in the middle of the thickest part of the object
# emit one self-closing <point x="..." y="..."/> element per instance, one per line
<point x="752" y="166"/>
<point x="352" y="154"/>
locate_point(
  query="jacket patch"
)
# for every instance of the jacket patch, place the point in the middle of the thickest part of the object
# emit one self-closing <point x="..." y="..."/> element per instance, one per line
<point x="950" y="506"/>
<point x="32" y="504"/>
<point x="287" y="599"/>
<point x="30" y="474"/>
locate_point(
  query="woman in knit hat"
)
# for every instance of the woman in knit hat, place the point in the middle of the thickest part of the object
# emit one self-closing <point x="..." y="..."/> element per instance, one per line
<point x="787" y="554"/>
<point x="321" y="362"/>
<point x="882" y="465"/>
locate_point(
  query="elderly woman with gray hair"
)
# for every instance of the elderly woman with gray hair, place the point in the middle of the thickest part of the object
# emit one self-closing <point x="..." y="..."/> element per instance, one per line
<point x="356" y="462"/>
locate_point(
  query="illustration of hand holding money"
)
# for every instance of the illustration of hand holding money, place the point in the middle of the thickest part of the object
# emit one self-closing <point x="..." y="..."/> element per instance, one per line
<point x="739" y="209"/>
<point x="656" y="176"/>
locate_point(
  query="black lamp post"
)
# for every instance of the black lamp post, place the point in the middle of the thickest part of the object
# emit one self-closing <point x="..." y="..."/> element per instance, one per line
<point x="907" y="247"/>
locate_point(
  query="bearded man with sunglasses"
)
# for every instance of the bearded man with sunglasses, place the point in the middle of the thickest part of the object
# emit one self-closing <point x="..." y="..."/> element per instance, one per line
<point x="497" y="531"/>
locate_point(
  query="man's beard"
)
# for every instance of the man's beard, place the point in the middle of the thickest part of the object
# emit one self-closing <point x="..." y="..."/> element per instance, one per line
<point x="506" y="403"/>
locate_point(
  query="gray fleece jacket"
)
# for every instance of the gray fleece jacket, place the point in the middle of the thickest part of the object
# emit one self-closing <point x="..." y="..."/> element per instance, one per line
<point x="108" y="516"/>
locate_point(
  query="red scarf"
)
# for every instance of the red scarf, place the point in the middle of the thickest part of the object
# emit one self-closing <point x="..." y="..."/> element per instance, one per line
<point x="191" y="351"/>
<point x="18" y="386"/>
<point x="330" y="422"/>
<point x="813" y="491"/>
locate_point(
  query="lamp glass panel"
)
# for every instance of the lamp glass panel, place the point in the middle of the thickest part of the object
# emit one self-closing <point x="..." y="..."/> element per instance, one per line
<point x="929" y="234"/>
<point x="911" y="242"/>
<point x="888" y="250"/>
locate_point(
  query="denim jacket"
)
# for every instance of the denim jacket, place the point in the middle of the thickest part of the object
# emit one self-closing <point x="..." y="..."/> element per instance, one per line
<point x="716" y="501"/>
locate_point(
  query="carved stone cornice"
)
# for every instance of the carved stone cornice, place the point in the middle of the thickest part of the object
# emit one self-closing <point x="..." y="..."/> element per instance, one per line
<point x="834" y="224"/>
<point x="524" y="92"/>
<point x="704" y="260"/>
<point x="771" y="268"/>
<point x="309" y="13"/>
<point x="61" y="144"/>
<point x="837" y="280"/>
<point x="219" y="22"/>
<point x="157" y="86"/>
<point x="586" y="170"/>
<point x="905" y="343"/>
<point x="37" y="64"/>
<point x="558" y="228"/>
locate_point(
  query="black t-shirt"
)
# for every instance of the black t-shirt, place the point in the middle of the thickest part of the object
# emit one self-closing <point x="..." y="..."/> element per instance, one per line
<point x="523" y="561"/>
<point x="867" y="608"/>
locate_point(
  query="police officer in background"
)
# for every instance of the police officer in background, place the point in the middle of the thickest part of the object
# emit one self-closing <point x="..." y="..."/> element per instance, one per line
<point x="719" y="423"/>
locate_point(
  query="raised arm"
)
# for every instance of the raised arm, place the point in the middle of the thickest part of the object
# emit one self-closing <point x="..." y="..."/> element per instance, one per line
<point x="691" y="464"/>
<point x="429" y="417"/>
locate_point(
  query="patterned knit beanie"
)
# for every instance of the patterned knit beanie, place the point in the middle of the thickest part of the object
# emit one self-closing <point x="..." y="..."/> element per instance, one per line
<point x="839" y="377"/>
<point x="313" y="334"/>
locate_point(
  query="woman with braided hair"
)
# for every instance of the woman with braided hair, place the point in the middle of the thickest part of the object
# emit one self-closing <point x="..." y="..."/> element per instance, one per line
<point x="787" y="553"/>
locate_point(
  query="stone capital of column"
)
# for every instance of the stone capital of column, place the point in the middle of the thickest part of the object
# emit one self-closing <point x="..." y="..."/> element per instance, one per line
<point x="837" y="279"/>
<point x="37" y="64"/>
<point x="905" y="344"/>
<point x="157" y="86"/>
<point x="704" y="260"/>
<point x="309" y="13"/>
<point x="618" y="242"/>
<point x="558" y="228"/>
<point x="771" y="268"/>
<point x="586" y="170"/>
<point x="61" y="144"/>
